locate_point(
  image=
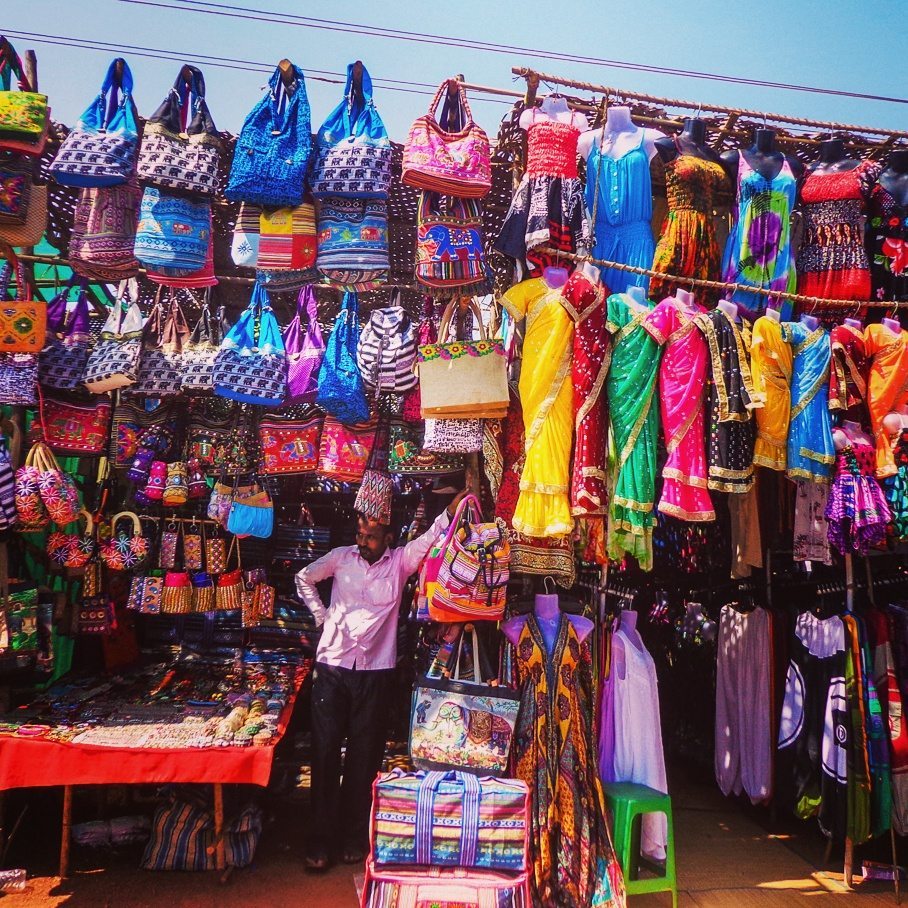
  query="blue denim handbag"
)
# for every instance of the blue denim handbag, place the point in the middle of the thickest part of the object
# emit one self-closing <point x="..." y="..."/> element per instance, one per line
<point x="272" y="151"/>
<point x="352" y="156"/>
<point x="251" y="365"/>
<point x="100" y="149"/>
<point x="340" y="385"/>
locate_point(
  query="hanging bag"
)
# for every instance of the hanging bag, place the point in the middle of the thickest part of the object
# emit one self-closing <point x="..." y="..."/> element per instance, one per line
<point x="73" y="550"/>
<point x="352" y="154"/>
<point x="181" y="148"/>
<point x="449" y="244"/>
<point x="197" y="363"/>
<point x="251" y="366"/>
<point x="426" y="333"/>
<point x="24" y="114"/>
<point x="459" y="724"/>
<point x="62" y="362"/>
<point x="287" y="240"/>
<point x="290" y="445"/>
<point x="100" y="149"/>
<point x="23" y="320"/>
<point x="305" y="349"/>
<point x="125" y="550"/>
<point x="114" y="363"/>
<point x="252" y="515"/>
<point x="340" y="384"/>
<point x="407" y="457"/>
<point x="344" y="450"/>
<point x="244" y="250"/>
<point x="387" y="350"/>
<point x="17" y="177"/>
<point x="31" y="230"/>
<point x="353" y="242"/>
<point x="30" y="509"/>
<point x="73" y="428"/>
<point x="463" y="378"/>
<point x="373" y="499"/>
<point x="272" y="151"/>
<point x="163" y="339"/>
<point x="228" y="593"/>
<point x="57" y="487"/>
<point x="453" y="158"/>
<point x="174" y="232"/>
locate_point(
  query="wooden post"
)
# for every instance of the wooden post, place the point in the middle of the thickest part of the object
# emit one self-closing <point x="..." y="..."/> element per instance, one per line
<point x="66" y="834"/>
<point x="849" y="860"/>
<point x="220" y="861"/>
<point x="896" y="881"/>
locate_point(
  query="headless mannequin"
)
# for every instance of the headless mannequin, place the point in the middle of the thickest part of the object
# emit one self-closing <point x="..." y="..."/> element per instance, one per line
<point x="832" y="158"/>
<point x="854" y="323"/>
<point x="850" y="432"/>
<point x="687" y="300"/>
<point x="555" y="276"/>
<point x="810" y="322"/>
<point x="548" y="616"/>
<point x="553" y="107"/>
<point x="619" y="136"/>
<point x="691" y="141"/>
<point x="627" y="623"/>
<point x="730" y="309"/>
<point x="774" y="314"/>
<point x="763" y="156"/>
<point x="637" y="294"/>
<point x="893" y="325"/>
<point x="894" y="179"/>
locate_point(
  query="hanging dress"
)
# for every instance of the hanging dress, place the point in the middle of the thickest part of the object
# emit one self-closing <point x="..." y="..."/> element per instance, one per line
<point x="811" y="452"/>
<point x="896" y="489"/>
<point x="620" y="192"/>
<point x="887" y="245"/>
<point x="857" y="511"/>
<point x="547" y="398"/>
<point x="585" y="302"/>
<point x="887" y="386"/>
<point x="682" y="398"/>
<point x="848" y="378"/>
<point x="730" y="417"/>
<point x="770" y="367"/>
<point x="832" y="261"/>
<point x="547" y="208"/>
<point x="572" y="862"/>
<point x="687" y="245"/>
<point x="634" y="425"/>
<point x="758" y="249"/>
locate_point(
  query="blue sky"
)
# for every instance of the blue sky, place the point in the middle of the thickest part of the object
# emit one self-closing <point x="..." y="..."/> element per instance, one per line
<point x="842" y="44"/>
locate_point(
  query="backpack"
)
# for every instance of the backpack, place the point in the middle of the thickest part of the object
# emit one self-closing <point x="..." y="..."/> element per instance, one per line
<point x="387" y="351"/>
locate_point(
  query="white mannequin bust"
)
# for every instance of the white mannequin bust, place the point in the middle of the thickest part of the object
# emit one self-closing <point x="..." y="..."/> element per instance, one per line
<point x="619" y="135"/>
<point x="687" y="300"/>
<point x="730" y="309"/>
<point x="774" y="314"/>
<point x="553" y="107"/>
<point x="637" y="294"/>
<point x="810" y="322"/>
<point x="893" y="325"/>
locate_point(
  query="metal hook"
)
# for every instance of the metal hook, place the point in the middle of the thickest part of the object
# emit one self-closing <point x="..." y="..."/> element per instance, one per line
<point x="545" y="585"/>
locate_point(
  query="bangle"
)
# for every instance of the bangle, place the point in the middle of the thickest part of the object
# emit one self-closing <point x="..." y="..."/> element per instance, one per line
<point x="33" y="731"/>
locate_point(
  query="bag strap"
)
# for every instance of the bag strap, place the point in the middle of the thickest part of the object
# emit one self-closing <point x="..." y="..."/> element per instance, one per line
<point x="126" y="515"/>
<point x="118" y="82"/>
<point x="449" y="314"/>
<point x="307" y="304"/>
<point x="425" y="813"/>
<point x="358" y="95"/>
<point x="475" y="635"/>
<point x="11" y="65"/>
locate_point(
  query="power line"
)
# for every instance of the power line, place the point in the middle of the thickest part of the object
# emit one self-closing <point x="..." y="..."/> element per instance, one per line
<point x="210" y="8"/>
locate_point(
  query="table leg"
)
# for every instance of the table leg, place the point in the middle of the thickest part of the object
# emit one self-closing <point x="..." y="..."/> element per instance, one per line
<point x="849" y="862"/>
<point x="66" y="834"/>
<point x="220" y="848"/>
<point x="896" y="880"/>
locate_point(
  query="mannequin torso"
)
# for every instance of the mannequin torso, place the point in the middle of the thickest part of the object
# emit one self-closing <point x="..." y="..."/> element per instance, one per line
<point x="690" y="141"/>
<point x="894" y="179"/>
<point x="619" y="136"/>
<point x="762" y="156"/>
<point x="553" y="107"/>
<point x="548" y="616"/>
<point x="832" y="158"/>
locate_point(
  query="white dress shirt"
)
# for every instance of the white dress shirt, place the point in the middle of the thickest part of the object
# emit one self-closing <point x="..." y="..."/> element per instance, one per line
<point x="360" y="626"/>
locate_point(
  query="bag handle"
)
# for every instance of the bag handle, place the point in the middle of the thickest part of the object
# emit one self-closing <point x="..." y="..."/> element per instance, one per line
<point x="307" y="304"/>
<point x="358" y="95"/>
<point x="456" y="675"/>
<point x="449" y="314"/>
<point x="425" y="812"/>
<point x="118" y="82"/>
<point x="89" y="521"/>
<point x="11" y="65"/>
<point x="463" y="105"/>
<point x="126" y="515"/>
<point x="129" y="287"/>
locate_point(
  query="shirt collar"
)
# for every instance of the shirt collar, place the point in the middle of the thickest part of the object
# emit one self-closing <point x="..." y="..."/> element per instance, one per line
<point x="384" y="557"/>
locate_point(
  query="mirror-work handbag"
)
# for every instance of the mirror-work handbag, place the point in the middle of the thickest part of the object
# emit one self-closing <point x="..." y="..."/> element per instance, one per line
<point x="179" y="151"/>
<point x="340" y="384"/>
<point x="353" y="242"/>
<point x="114" y="362"/>
<point x="289" y="446"/>
<point x="352" y="154"/>
<point x="24" y="114"/>
<point x="449" y="244"/>
<point x="251" y="366"/>
<point x="23" y="321"/>
<point x="100" y="149"/>
<point x="466" y="725"/>
<point x="272" y="151"/>
<point x="453" y="159"/>
<point x="73" y="428"/>
<point x="305" y="349"/>
<point x="344" y="450"/>
<point x="407" y="457"/>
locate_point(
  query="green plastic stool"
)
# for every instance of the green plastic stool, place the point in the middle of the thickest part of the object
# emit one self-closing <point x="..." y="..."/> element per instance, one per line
<point x="627" y="801"/>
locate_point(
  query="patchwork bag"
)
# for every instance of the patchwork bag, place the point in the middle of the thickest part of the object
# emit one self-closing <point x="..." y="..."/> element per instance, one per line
<point x="289" y="446"/>
<point x="450" y="819"/>
<point x="174" y="232"/>
<point x="244" y="250"/>
<point x="459" y="724"/>
<point x="353" y="242"/>
<point x="453" y="158"/>
<point x="61" y="364"/>
<point x="305" y="349"/>
<point x="272" y="150"/>
<point x="344" y="450"/>
<point x="463" y="378"/>
<point x="340" y="384"/>
<point x="100" y="149"/>
<point x="181" y="152"/>
<point x="197" y="362"/>
<point x="449" y="251"/>
<point x="24" y="114"/>
<point x="251" y="366"/>
<point x="74" y="428"/>
<point x="287" y="239"/>
<point x="102" y="243"/>
<point x="352" y="156"/>
<point x="114" y="362"/>
<point x="163" y="339"/>
<point x="407" y="457"/>
<point x="387" y="350"/>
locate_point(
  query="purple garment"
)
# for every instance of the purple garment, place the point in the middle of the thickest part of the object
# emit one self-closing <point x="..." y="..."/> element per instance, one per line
<point x="857" y="511"/>
<point x="607" y="728"/>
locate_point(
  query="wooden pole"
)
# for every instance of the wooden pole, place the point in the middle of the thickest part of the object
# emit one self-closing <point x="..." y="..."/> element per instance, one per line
<point x="220" y="861"/>
<point x="66" y="834"/>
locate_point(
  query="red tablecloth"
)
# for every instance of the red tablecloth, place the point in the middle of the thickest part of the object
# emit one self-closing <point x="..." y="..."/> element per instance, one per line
<point x="34" y="762"/>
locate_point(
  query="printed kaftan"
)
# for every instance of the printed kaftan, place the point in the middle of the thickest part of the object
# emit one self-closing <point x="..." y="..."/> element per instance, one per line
<point x="886" y="386"/>
<point x="770" y="366"/>
<point x="682" y="398"/>
<point x="547" y="398"/>
<point x="634" y="423"/>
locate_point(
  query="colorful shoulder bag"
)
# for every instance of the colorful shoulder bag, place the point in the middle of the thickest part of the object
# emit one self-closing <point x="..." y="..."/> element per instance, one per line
<point x="164" y="337"/>
<point x="114" y="363"/>
<point x="305" y="349"/>
<point x="62" y="362"/>
<point x="174" y="232"/>
<point x="387" y="350"/>
<point x="353" y="242"/>
<point x="449" y="244"/>
<point x="340" y="384"/>
<point x="24" y="114"/>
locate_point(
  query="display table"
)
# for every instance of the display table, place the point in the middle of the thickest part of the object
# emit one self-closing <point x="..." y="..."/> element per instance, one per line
<point x="30" y="757"/>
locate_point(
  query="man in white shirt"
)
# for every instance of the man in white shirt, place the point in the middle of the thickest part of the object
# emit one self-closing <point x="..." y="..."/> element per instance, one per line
<point x="355" y="661"/>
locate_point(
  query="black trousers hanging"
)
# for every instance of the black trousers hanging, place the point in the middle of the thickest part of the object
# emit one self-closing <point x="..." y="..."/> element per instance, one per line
<point x="351" y="705"/>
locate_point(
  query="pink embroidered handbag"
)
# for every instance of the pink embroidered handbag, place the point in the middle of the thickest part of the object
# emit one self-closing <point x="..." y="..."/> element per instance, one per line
<point x="452" y="157"/>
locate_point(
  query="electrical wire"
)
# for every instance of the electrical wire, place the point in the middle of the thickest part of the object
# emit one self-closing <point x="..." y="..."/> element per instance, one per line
<point x="251" y="14"/>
